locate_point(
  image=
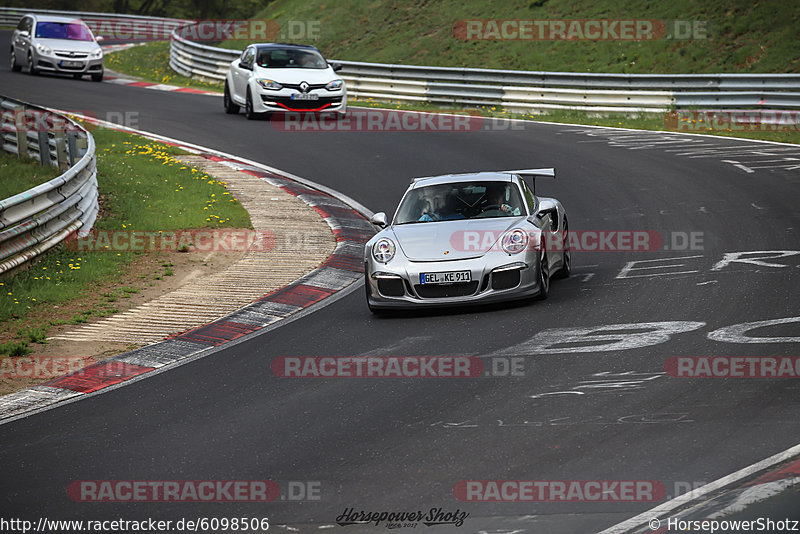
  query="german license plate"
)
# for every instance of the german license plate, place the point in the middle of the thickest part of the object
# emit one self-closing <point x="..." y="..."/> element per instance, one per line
<point x="71" y="63"/>
<point x="451" y="277"/>
<point x="305" y="96"/>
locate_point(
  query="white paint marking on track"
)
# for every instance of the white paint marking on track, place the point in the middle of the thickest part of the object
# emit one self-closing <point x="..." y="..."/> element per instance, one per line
<point x="699" y="494"/>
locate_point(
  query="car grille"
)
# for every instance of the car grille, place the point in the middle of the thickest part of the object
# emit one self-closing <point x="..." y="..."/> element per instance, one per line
<point x="72" y="55"/>
<point x="505" y="279"/>
<point x="296" y="86"/>
<point x="435" y="291"/>
<point x="302" y="104"/>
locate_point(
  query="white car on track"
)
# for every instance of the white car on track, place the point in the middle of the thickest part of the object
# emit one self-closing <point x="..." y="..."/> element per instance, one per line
<point x="274" y="77"/>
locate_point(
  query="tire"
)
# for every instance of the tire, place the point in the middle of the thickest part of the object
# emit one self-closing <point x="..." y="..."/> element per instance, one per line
<point x="544" y="276"/>
<point x="97" y="77"/>
<point x="248" y="109"/>
<point x="566" y="268"/>
<point x="231" y="108"/>
<point x="32" y="70"/>
<point x="13" y="62"/>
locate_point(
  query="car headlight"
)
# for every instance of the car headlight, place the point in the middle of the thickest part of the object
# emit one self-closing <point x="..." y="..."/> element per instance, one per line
<point x="335" y="85"/>
<point x="514" y="241"/>
<point x="383" y="250"/>
<point x="97" y="53"/>
<point x="269" y="84"/>
<point x="44" y="49"/>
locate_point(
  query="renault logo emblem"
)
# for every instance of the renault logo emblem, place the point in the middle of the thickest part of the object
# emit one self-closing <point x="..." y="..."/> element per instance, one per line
<point x="303" y="87"/>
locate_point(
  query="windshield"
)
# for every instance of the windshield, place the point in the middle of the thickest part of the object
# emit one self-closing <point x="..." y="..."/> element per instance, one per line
<point x="465" y="200"/>
<point x="289" y="58"/>
<point x="74" y="31"/>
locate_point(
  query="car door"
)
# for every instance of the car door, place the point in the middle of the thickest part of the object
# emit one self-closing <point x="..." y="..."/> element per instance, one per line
<point x="240" y="73"/>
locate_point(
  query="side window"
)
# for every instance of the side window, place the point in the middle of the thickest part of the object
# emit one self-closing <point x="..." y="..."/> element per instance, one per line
<point x="249" y="55"/>
<point x="25" y="24"/>
<point x="530" y="200"/>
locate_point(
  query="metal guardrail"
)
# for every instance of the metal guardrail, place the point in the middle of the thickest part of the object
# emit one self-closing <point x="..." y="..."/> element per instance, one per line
<point x="527" y="91"/>
<point x="518" y="91"/>
<point x="35" y="220"/>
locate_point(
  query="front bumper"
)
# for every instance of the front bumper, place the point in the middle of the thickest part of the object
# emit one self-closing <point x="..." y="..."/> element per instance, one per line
<point x="68" y="65"/>
<point x="494" y="279"/>
<point x="327" y="101"/>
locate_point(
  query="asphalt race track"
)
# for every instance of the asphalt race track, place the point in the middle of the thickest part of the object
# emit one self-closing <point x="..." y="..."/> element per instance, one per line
<point x="579" y="412"/>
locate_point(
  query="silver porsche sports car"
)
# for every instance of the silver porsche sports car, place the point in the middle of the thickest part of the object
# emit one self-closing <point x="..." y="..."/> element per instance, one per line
<point x="467" y="238"/>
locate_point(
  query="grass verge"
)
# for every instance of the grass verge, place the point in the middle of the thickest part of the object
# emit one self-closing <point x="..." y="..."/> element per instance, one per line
<point x="735" y="37"/>
<point x="150" y="62"/>
<point x="142" y="188"/>
<point x="20" y="174"/>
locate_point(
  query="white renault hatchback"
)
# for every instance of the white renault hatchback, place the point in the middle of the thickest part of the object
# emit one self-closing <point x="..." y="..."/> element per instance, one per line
<point x="283" y="77"/>
<point x="65" y="45"/>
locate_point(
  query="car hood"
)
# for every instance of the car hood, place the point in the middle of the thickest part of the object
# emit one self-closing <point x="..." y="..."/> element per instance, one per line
<point x="69" y="45"/>
<point x="313" y="76"/>
<point x="452" y="240"/>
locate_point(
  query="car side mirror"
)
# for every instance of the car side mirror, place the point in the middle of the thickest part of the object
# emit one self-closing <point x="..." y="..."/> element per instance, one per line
<point x="336" y="66"/>
<point x="99" y="38"/>
<point x="379" y="219"/>
<point x="245" y="65"/>
<point x="24" y="33"/>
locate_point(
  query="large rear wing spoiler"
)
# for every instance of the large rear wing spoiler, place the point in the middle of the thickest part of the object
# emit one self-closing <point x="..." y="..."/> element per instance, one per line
<point x="548" y="172"/>
<point x="533" y="174"/>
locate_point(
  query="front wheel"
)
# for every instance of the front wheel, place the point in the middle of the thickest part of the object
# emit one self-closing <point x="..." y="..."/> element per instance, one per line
<point x="248" y="109"/>
<point x="231" y="108"/>
<point x="31" y="67"/>
<point x="544" y="276"/>
<point x="14" y="66"/>
<point x="98" y="77"/>
<point x="566" y="267"/>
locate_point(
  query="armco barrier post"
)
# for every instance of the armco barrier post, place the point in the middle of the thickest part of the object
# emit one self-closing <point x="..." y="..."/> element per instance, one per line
<point x="22" y="133"/>
<point x="61" y="150"/>
<point x="44" y="148"/>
